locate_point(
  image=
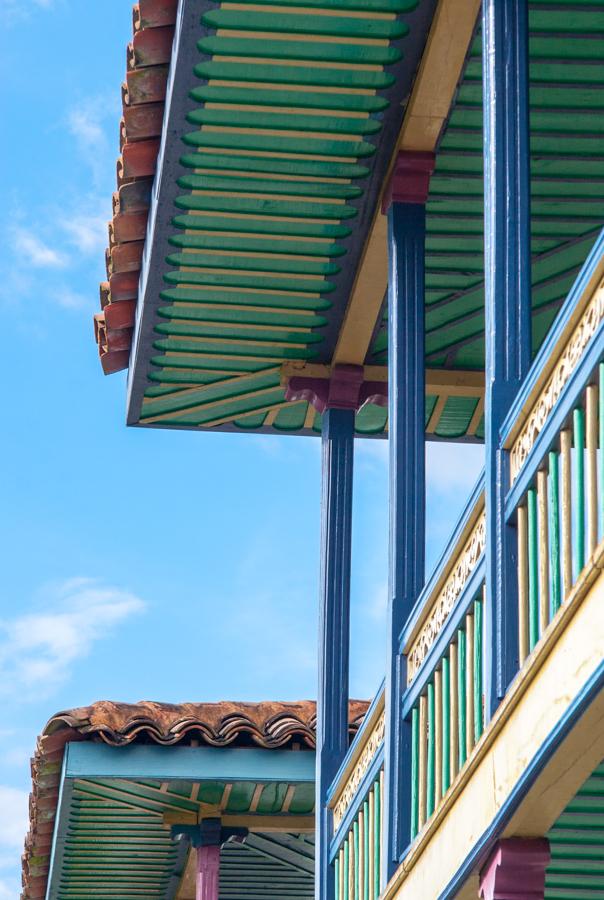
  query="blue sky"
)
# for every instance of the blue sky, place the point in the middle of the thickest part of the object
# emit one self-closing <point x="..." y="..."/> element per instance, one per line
<point x="138" y="564"/>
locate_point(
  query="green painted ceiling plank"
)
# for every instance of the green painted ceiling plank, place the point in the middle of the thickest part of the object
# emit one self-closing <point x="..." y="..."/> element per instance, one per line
<point x="256" y="245"/>
<point x="297" y="23"/>
<point x="273" y="795"/>
<point x="291" y="418"/>
<point x="369" y="6"/>
<point x="549" y="72"/>
<point x="309" y="146"/>
<point x="299" y="51"/>
<point x="567" y="21"/>
<point x="303" y="801"/>
<point x="543" y="96"/>
<point x="455" y="417"/>
<point x="288" y="99"/>
<point x="223" y="225"/>
<point x="267" y="73"/>
<point x="241" y="317"/>
<point x="331" y="124"/>
<point x="267" y="207"/>
<point x="371" y="419"/>
<point x="320" y="168"/>
<point x="296" y="266"/>
<point x="243" y="298"/>
<point x="270" y="186"/>
<point x="301" y="286"/>
<point x="223" y="391"/>
<point x="251" y="422"/>
<point x="191" y="365"/>
<point x="233" y="408"/>
<point x="232" y="349"/>
<point x="250" y="335"/>
<point x="582" y="121"/>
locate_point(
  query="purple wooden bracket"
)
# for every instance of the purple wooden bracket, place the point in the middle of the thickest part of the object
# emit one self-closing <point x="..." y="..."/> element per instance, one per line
<point x="208" y="872"/>
<point x="410" y="179"/>
<point x="345" y="389"/>
<point x="516" y="870"/>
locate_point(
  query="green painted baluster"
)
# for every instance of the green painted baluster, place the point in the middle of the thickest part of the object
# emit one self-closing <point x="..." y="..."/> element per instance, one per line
<point x="579" y="436"/>
<point x="533" y="565"/>
<point x="478" y="723"/>
<point x="446" y="728"/>
<point x="377" y="839"/>
<point x="554" y="533"/>
<point x="601" y="446"/>
<point x="345" y="873"/>
<point x="357" y="871"/>
<point x="366" y="850"/>
<point x="461" y="696"/>
<point x="414" y="772"/>
<point x="431" y="752"/>
<point x="337" y="877"/>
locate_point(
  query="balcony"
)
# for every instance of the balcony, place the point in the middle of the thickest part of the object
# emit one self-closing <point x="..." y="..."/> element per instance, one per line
<point x="473" y="774"/>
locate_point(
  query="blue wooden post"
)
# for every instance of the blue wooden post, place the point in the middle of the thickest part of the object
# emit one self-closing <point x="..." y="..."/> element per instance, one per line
<point x="508" y="307"/>
<point x="334" y="625"/>
<point x="405" y="203"/>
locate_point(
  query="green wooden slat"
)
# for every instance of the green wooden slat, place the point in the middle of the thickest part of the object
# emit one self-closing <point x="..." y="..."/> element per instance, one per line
<point x="377" y="839"/>
<point x="296" y="23"/>
<point x="269" y="186"/>
<point x="252" y="263"/>
<point x="266" y="143"/>
<point x="533" y="568"/>
<point x="209" y="394"/>
<point x="262" y="333"/>
<point x="286" y="121"/>
<point x="244" y="298"/>
<point x="366" y="851"/>
<point x="299" y="51"/>
<point x="346" y="873"/>
<point x="262" y="207"/>
<point x="242" y="317"/>
<point x="294" y="168"/>
<point x="337" y="876"/>
<point x="414" y="773"/>
<point x="256" y="245"/>
<point x="478" y="669"/>
<point x="223" y="224"/>
<point x="431" y="752"/>
<point x="219" y="70"/>
<point x="266" y="282"/>
<point x="461" y="696"/>
<point x="554" y="533"/>
<point x="368" y="6"/>
<point x="579" y="500"/>
<point x="219" y="349"/>
<point x="288" y="99"/>
<point x="446" y="724"/>
<point x="356" y="877"/>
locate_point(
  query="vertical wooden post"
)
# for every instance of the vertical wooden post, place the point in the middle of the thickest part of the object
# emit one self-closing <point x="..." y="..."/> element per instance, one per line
<point x="208" y="871"/>
<point x="406" y="198"/>
<point x="334" y="624"/>
<point x="507" y="308"/>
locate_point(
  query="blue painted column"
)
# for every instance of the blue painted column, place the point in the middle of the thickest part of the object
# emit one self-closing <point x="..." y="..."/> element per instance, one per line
<point x="405" y="203"/>
<point x="334" y="624"/>
<point x="507" y="307"/>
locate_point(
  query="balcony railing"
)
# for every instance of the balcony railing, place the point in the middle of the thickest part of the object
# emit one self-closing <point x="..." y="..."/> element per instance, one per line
<point x="555" y="438"/>
<point x="357" y="811"/>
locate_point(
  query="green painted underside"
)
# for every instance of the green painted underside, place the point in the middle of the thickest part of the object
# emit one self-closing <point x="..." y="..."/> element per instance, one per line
<point x="576" y="870"/>
<point x="260" y="242"/>
<point x="567" y="185"/>
<point x="116" y="845"/>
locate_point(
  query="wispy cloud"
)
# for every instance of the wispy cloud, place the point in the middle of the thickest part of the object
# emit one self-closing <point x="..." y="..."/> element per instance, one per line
<point x="14" y="11"/>
<point x="86" y="228"/>
<point x="14" y="818"/>
<point x="38" y="649"/>
<point x="31" y="250"/>
<point x="91" y="121"/>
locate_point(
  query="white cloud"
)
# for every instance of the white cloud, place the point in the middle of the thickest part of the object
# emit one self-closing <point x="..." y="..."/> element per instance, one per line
<point x="38" y="649"/>
<point x="32" y="251"/>
<point x="11" y="12"/>
<point x="14" y="818"/>
<point x="68" y="299"/>
<point x="88" y="121"/>
<point x="87" y="231"/>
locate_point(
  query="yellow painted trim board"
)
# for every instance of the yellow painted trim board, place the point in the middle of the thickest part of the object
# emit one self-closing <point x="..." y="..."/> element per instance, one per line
<point x="568" y="654"/>
<point x="428" y="108"/>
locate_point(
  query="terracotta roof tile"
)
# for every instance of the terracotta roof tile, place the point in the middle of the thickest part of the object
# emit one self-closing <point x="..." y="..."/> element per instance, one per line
<point x="270" y="725"/>
<point x="143" y="94"/>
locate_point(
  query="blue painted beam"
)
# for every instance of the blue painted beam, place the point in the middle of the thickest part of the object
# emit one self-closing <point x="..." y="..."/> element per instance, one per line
<point x="406" y="424"/>
<point x="507" y="308"/>
<point x="139" y="761"/>
<point x="337" y="440"/>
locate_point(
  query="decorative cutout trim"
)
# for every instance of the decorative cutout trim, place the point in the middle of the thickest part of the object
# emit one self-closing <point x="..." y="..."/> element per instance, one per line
<point x="460" y="572"/>
<point x="349" y="791"/>
<point x="567" y="362"/>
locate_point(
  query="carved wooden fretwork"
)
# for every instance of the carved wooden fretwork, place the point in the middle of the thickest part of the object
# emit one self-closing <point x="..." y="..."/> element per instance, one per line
<point x="370" y="748"/>
<point x="567" y="362"/>
<point x="463" y="566"/>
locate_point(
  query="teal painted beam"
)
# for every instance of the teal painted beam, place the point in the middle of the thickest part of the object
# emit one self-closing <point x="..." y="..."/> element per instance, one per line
<point x="88" y="760"/>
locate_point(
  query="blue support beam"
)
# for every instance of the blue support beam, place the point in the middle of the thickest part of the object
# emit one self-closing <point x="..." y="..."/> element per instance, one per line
<point x="406" y="424"/>
<point x="334" y="625"/>
<point x="508" y="307"/>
